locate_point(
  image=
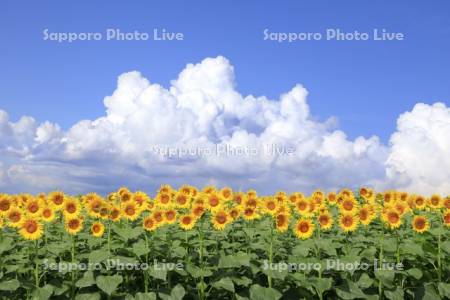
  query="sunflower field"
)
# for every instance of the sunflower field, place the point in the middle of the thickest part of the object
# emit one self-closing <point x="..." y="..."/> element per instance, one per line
<point x="214" y="243"/>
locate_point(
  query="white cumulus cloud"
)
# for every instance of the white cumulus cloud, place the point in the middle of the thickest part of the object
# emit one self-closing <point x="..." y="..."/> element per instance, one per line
<point x="201" y="130"/>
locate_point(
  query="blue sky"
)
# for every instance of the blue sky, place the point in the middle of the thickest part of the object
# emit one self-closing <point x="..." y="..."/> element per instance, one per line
<point x="365" y="84"/>
<point x="391" y="130"/>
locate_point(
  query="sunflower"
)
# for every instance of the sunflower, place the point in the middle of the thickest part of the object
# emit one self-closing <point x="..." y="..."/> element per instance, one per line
<point x="104" y="211"/>
<point x="97" y="229"/>
<point x="48" y="214"/>
<point x="446" y="218"/>
<point x="435" y="202"/>
<point x="187" y="222"/>
<point x="302" y="206"/>
<point x="249" y="214"/>
<point x="270" y="205"/>
<point x="292" y="198"/>
<point x="325" y="220"/>
<point x="331" y="198"/>
<point x="239" y="198"/>
<point x="71" y="208"/>
<point x="158" y="216"/>
<point x="403" y="196"/>
<point x="130" y="210"/>
<point x="213" y="202"/>
<point x="198" y="210"/>
<point x="304" y="229"/>
<point x="280" y="197"/>
<point x="235" y="213"/>
<point x="182" y="200"/>
<point x="163" y="199"/>
<point x="31" y="229"/>
<point x="5" y="204"/>
<point x="33" y="207"/>
<point x="220" y="219"/>
<point x="251" y="202"/>
<point x="346" y="193"/>
<point x="446" y="203"/>
<point x="114" y="214"/>
<point x="226" y="193"/>
<point x="365" y="215"/>
<point x="401" y="207"/>
<point x="348" y="222"/>
<point x="149" y="223"/>
<point x="186" y="190"/>
<point x="282" y="222"/>
<point x="2" y="223"/>
<point x="170" y="216"/>
<point x="252" y="194"/>
<point x="420" y="202"/>
<point x="73" y="225"/>
<point x="93" y="207"/>
<point x="209" y="189"/>
<point x="420" y="224"/>
<point x="125" y="194"/>
<point x="348" y="205"/>
<point x="363" y="192"/>
<point x="15" y="217"/>
<point x="392" y="218"/>
<point x="388" y="196"/>
<point x="165" y="189"/>
<point x="56" y="199"/>
<point x="140" y="198"/>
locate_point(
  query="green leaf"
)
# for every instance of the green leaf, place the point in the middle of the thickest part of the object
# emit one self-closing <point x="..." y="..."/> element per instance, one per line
<point x="6" y="244"/>
<point x="300" y="250"/>
<point x="92" y="296"/>
<point x="128" y="233"/>
<point x="140" y="248"/>
<point x="426" y="292"/>
<point x="415" y="273"/>
<point x="385" y="276"/>
<point x="179" y="252"/>
<point x="444" y="289"/>
<point x="411" y="248"/>
<point x="43" y="293"/>
<point x="97" y="256"/>
<point x="9" y="285"/>
<point x="197" y="272"/>
<point x="446" y="246"/>
<point x="321" y="284"/>
<point x="394" y="295"/>
<point x="365" y="281"/>
<point x="438" y="231"/>
<point x="234" y="261"/>
<point x="350" y="291"/>
<point x="224" y="283"/>
<point x="145" y="296"/>
<point x="244" y="281"/>
<point x="258" y="292"/>
<point x="177" y="292"/>
<point x="87" y="280"/>
<point x="158" y="272"/>
<point x="109" y="284"/>
<point x="390" y="244"/>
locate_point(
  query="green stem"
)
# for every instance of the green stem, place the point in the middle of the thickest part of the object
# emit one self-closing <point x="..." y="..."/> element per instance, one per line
<point x="269" y="277"/>
<point x="146" y="261"/>
<point x="439" y="258"/>
<point x="109" y="237"/>
<point x="380" y="284"/>
<point x="202" y="279"/>
<point x="73" y="266"/>
<point x="169" y="250"/>
<point x="36" y="267"/>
